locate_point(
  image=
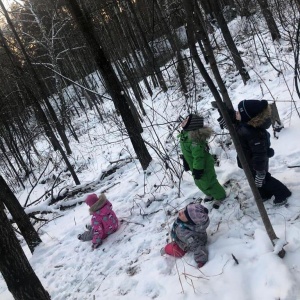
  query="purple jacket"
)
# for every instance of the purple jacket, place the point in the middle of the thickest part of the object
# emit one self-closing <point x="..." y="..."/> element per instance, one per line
<point x="104" y="221"/>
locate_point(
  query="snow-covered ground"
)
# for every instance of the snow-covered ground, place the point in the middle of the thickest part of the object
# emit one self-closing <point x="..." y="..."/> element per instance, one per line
<point x="128" y="265"/>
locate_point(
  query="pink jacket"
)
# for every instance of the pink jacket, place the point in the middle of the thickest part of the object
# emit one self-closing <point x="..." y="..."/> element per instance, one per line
<point x="104" y="221"/>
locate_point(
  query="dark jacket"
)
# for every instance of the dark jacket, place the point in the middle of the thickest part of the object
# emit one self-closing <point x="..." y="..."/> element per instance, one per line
<point x="255" y="140"/>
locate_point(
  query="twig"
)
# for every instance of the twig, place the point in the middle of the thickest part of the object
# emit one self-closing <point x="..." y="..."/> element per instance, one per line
<point x="154" y="212"/>
<point x="37" y="181"/>
<point x="185" y="274"/>
<point x="122" y="220"/>
<point x="122" y="159"/>
<point x="44" y="194"/>
<point x="237" y="262"/>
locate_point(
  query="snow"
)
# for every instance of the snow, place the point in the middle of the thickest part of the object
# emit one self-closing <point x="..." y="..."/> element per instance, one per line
<point x="243" y="264"/>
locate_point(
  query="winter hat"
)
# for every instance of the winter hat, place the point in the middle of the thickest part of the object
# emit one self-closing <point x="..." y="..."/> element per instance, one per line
<point x="194" y="122"/>
<point x="196" y="213"/>
<point x="91" y="199"/>
<point x="249" y="109"/>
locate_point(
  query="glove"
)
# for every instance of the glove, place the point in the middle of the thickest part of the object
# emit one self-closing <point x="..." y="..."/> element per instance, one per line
<point x="186" y="166"/>
<point x="197" y="174"/>
<point x="259" y="178"/>
<point x="95" y="246"/>
<point x="231" y="113"/>
<point x="270" y="152"/>
<point x="79" y="236"/>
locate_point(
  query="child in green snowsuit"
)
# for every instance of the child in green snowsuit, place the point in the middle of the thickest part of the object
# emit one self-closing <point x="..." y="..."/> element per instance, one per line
<point x="196" y="157"/>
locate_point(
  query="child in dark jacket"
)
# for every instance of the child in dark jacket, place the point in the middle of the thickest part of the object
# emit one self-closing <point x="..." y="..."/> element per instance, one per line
<point x="189" y="234"/>
<point x="103" y="223"/>
<point x="251" y="122"/>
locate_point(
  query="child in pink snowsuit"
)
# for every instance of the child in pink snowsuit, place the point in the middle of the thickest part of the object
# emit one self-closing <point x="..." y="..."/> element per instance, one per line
<point x="104" y="220"/>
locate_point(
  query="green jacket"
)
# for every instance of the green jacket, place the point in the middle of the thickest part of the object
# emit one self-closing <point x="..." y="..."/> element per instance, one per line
<point x="194" y="147"/>
<point x="195" y="151"/>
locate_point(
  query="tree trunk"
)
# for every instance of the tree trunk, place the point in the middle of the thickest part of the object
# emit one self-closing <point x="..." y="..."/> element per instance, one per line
<point x="174" y="42"/>
<point x="40" y="115"/>
<point x="208" y="11"/>
<point x="39" y="84"/>
<point x="247" y="170"/>
<point x="22" y="220"/>
<point x="269" y="19"/>
<point x="229" y="41"/>
<point x="15" y="268"/>
<point x="235" y="138"/>
<point x="190" y="17"/>
<point x="15" y="151"/>
<point x="11" y="165"/>
<point x="147" y="48"/>
<point x="112" y="83"/>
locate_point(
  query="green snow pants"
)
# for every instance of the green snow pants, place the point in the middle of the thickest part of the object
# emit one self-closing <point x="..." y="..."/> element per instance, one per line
<point x="209" y="184"/>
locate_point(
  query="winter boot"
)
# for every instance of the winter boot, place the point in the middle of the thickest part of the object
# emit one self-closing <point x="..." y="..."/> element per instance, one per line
<point x="208" y="199"/>
<point x="172" y="249"/>
<point x="281" y="201"/>
<point x="217" y="203"/>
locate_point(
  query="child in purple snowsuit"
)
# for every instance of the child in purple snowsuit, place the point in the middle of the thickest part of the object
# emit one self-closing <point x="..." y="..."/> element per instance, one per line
<point x="104" y="220"/>
<point x="189" y="234"/>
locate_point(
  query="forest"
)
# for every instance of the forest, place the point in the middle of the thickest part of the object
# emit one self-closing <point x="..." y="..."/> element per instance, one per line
<point x="61" y="59"/>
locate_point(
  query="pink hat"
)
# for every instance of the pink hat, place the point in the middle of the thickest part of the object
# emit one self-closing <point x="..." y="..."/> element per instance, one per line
<point x="91" y="199"/>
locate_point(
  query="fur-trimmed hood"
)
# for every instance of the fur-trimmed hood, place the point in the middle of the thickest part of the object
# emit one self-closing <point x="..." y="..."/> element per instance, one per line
<point x="262" y="120"/>
<point x="200" y="135"/>
<point x="99" y="204"/>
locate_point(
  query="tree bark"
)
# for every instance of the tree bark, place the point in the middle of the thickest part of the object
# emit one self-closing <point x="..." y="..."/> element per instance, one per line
<point x="193" y="22"/>
<point x="39" y="83"/>
<point x="40" y="115"/>
<point x="235" y="138"/>
<point x="15" y="268"/>
<point x="264" y="5"/>
<point x="112" y="83"/>
<point x="229" y="41"/>
<point x="22" y="220"/>
<point x="147" y="48"/>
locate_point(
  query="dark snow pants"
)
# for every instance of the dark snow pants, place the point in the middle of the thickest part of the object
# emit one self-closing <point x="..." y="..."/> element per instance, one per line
<point x="274" y="187"/>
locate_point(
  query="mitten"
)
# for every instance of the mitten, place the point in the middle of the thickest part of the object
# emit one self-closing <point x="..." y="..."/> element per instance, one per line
<point x="197" y="174"/>
<point x="95" y="246"/>
<point x="271" y="152"/>
<point x="259" y="178"/>
<point x="79" y="236"/>
<point x="186" y="166"/>
<point x="88" y="226"/>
